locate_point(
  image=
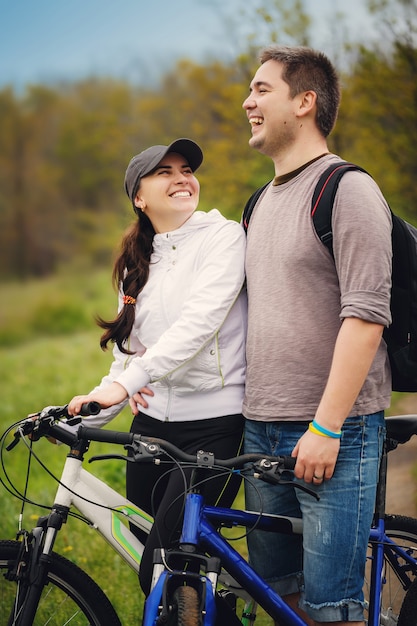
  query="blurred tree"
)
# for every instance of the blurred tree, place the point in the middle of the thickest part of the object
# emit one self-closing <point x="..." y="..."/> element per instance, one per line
<point x="28" y="181"/>
<point x="11" y="166"/>
<point x="93" y="142"/>
<point x="378" y="118"/>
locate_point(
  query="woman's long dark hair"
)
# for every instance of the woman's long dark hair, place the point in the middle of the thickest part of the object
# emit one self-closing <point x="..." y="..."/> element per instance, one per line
<point x="130" y="272"/>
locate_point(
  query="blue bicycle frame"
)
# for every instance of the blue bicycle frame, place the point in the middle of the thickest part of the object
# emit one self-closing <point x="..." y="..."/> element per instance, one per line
<point x="199" y="534"/>
<point x="383" y="547"/>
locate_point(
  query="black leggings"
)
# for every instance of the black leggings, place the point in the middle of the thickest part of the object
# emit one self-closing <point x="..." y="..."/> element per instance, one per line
<point x="164" y="500"/>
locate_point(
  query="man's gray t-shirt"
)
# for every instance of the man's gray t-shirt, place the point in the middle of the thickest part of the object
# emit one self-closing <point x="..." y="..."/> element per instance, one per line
<point x="299" y="296"/>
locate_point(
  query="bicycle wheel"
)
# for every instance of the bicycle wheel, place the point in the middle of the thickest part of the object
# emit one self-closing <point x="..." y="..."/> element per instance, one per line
<point x="71" y="596"/>
<point x="404" y="531"/>
<point x="408" y="613"/>
<point x="186" y="607"/>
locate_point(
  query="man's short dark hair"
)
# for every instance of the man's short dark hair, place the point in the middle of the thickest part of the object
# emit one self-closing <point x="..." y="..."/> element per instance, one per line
<point x="305" y="69"/>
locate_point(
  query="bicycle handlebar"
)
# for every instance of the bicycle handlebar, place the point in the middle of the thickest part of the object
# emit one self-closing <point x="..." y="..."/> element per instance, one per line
<point x="48" y="423"/>
<point x="106" y="436"/>
<point x="88" y="408"/>
<point x="155" y="446"/>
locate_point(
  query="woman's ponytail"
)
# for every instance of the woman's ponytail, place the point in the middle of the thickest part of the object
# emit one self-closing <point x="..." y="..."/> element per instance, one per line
<point x="130" y="274"/>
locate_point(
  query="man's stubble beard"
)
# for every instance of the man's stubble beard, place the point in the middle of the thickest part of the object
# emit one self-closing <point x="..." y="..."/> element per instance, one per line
<point x="279" y="145"/>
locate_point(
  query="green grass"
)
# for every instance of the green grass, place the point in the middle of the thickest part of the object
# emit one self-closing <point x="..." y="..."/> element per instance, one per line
<point x="62" y="305"/>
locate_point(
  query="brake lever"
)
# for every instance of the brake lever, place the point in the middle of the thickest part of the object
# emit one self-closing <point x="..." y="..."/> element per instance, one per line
<point x="15" y="441"/>
<point x="144" y="452"/>
<point x="272" y="473"/>
<point x="36" y="425"/>
<point x="28" y="427"/>
<point x="141" y="452"/>
<point x="106" y="457"/>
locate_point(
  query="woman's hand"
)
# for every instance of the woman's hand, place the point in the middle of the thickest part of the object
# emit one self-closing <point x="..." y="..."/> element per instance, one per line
<point x="138" y="398"/>
<point x="113" y="394"/>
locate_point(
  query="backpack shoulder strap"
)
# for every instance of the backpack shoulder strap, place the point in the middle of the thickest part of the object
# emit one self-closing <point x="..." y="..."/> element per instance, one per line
<point x="323" y="198"/>
<point x="250" y="205"/>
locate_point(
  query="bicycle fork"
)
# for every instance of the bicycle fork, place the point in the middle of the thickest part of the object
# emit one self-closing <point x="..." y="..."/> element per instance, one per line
<point x="174" y="568"/>
<point x="30" y="571"/>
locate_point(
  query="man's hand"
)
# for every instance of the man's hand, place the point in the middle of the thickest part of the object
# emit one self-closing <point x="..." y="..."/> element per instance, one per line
<point x="316" y="457"/>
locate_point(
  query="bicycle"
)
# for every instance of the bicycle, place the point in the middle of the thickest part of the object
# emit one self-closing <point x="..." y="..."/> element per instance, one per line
<point x="39" y="586"/>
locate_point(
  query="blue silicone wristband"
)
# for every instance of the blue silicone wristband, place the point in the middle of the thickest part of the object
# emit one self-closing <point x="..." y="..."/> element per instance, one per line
<point x="325" y="432"/>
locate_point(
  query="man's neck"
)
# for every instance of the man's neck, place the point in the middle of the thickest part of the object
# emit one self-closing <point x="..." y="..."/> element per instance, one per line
<point x="299" y="156"/>
<point x="284" y="178"/>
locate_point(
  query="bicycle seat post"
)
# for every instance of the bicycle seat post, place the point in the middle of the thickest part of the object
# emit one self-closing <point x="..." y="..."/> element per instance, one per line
<point x="381" y="490"/>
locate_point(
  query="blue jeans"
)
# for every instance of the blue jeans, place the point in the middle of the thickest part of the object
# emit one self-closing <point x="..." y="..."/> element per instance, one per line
<point x="326" y="565"/>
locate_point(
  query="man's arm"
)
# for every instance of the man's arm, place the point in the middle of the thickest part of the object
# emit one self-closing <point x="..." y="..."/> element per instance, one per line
<point x="355" y="349"/>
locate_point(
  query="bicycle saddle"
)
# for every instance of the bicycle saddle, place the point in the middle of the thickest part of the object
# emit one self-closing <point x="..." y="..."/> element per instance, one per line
<point x="401" y="427"/>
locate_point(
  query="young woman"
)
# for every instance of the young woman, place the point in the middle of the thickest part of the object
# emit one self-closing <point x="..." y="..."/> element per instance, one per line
<point x="179" y="337"/>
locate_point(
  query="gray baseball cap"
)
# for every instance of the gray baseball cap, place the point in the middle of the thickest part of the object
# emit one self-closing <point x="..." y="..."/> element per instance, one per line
<point x="143" y="163"/>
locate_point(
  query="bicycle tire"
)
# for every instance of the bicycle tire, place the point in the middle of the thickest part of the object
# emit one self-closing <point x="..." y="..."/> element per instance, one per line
<point x="186" y="607"/>
<point x="70" y="594"/>
<point x="408" y="613"/>
<point x="404" y="531"/>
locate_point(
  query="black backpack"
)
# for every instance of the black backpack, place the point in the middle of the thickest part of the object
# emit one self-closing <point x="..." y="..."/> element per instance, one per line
<point x="401" y="336"/>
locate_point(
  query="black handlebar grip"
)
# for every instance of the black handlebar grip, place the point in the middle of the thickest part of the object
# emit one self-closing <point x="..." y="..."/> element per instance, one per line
<point x="289" y="462"/>
<point x="90" y="408"/>
<point x="106" y="436"/>
<point x="60" y="434"/>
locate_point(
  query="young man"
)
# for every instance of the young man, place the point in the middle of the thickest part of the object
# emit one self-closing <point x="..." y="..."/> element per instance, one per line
<point x="318" y="377"/>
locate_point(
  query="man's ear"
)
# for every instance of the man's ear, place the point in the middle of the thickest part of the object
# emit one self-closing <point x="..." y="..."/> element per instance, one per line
<point x="307" y="102"/>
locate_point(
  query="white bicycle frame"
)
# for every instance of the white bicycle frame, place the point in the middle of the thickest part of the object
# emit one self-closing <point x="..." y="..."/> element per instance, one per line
<point x="106" y="510"/>
<point x="110" y="514"/>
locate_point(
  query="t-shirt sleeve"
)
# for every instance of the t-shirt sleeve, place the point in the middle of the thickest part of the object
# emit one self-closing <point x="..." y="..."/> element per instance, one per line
<point x="362" y="226"/>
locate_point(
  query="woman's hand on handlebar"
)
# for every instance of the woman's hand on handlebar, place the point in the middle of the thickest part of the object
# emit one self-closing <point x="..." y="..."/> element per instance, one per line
<point x="113" y="394"/>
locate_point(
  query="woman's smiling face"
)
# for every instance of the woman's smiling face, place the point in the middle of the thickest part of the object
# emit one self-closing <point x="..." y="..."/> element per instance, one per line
<point x="169" y="195"/>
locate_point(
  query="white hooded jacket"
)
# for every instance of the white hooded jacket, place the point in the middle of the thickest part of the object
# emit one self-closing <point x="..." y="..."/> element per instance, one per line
<point x="190" y="325"/>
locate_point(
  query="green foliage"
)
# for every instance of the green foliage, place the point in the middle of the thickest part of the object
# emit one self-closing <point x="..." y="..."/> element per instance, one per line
<point x="384" y="139"/>
<point x="377" y="125"/>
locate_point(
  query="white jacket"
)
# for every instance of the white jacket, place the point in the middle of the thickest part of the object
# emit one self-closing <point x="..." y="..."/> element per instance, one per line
<point x="190" y="325"/>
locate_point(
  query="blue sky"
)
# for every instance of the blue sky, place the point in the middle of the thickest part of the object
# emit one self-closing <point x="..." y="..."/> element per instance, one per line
<point x="44" y="41"/>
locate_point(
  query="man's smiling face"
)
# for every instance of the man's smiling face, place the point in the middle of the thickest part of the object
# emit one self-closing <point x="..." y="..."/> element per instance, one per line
<point x="270" y="110"/>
